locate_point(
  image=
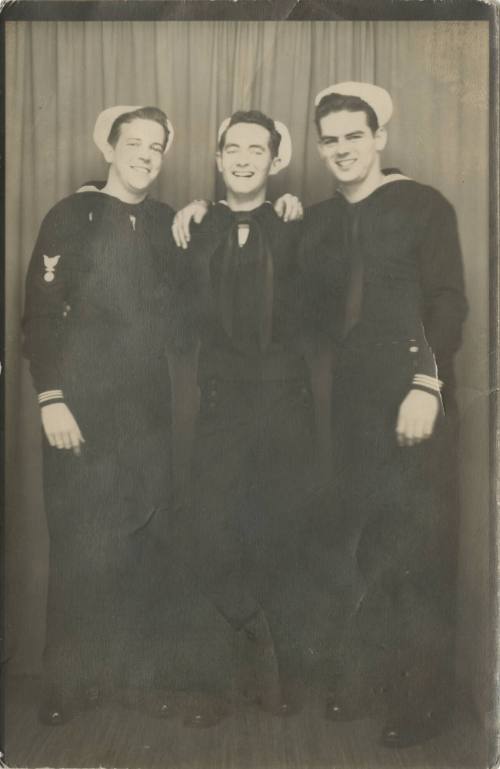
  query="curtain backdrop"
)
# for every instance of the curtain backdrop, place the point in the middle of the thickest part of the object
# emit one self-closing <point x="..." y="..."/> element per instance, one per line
<point x="61" y="74"/>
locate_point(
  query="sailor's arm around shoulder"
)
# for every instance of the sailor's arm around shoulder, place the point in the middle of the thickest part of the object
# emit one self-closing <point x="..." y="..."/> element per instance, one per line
<point x="288" y="207"/>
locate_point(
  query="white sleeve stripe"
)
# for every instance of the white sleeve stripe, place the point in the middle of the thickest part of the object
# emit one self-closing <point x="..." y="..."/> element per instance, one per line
<point x="427" y="381"/>
<point x="426" y="378"/>
<point x="49" y="395"/>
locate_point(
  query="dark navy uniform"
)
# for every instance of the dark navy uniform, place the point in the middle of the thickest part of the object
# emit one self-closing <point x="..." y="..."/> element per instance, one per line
<point x="385" y="286"/>
<point x="254" y="450"/>
<point x="98" y="321"/>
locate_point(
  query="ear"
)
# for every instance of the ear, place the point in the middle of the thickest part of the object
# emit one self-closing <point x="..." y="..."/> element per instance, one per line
<point x="218" y="160"/>
<point x="380" y="139"/>
<point x="108" y="152"/>
<point x="275" y="166"/>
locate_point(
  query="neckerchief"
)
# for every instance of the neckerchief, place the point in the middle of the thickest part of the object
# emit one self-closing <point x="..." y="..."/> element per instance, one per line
<point x="231" y="262"/>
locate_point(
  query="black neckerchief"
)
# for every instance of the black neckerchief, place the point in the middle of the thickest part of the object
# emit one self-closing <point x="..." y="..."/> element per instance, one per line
<point x="231" y="260"/>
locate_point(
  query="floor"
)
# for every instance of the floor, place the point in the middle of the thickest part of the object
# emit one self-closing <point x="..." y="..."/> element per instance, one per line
<point x="117" y="737"/>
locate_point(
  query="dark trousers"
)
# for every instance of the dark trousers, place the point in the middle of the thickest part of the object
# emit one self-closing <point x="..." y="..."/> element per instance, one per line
<point x="109" y="572"/>
<point x="392" y="535"/>
<point x="252" y="470"/>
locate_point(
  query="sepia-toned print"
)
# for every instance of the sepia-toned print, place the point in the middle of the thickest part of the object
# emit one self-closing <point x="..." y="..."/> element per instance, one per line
<point x="247" y="397"/>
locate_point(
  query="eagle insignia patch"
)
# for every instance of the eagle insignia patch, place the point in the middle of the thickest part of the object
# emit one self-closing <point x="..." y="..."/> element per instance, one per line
<point x="50" y="264"/>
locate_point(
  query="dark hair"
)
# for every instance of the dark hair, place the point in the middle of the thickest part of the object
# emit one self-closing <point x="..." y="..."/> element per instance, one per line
<point x="143" y="113"/>
<point x="254" y="116"/>
<point x="336" y="102"/>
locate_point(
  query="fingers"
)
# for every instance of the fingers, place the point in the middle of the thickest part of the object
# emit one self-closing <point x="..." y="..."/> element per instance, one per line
<point x="184" y="223"/>
<point x="69" y="440"/>
<point x="57" y="439"/>
<point x="289" y="208"/>
<point x="51" y="439"/>
<point x="294" y="210"/>
<point x="410" y="432"/>
<point x="279" y="206"/>
<point x="79" y="440"/>
<point x="194" y="212"/>
<point x="178" y="231"/>
<point x="175" y="233"/>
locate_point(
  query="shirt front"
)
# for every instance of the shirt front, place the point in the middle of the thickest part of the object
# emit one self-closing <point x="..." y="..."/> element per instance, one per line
<point x="402" y="243"/>
<point x="252" y="327"/>
<point x="97" y="293"/>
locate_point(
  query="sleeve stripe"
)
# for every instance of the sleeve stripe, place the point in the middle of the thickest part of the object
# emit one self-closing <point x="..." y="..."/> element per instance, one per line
<point x="427" y="381"/>
<point x="50" y="395"/>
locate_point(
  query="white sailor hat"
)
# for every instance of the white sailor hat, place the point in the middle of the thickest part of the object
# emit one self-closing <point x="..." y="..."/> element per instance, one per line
<point x="285" y="148"/>
<point x="377" y="98"/>
<point x="106" y="119"/>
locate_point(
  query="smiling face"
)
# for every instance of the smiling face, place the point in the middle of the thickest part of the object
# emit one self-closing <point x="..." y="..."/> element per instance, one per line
<point x="349" y="147"/>
<point x="246" y="161"/>
<point x="135" y="160"/>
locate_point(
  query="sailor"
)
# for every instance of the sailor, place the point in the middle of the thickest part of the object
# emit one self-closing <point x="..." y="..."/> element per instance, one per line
<point x="385" y="295"/>
<point x="98" y="321"/>
<point x="255" y="431"/>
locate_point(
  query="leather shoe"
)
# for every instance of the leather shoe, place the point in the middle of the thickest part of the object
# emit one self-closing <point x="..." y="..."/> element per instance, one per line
<point x="158" y="703"/>
<point x="54" y="711"/>
<point x="354" y="701"/>
<point x="162" y="705"/>
<point x="91" y="697"/>
<point x="202" y="711"/>
<point x="258" y="678"/>
<point x="285" y="700"/>
<point x="408" y="730"/>
<point x="420" y="705"/>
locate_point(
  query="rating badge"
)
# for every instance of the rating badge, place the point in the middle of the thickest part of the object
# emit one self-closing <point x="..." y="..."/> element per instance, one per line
<point x="50" y="264"/>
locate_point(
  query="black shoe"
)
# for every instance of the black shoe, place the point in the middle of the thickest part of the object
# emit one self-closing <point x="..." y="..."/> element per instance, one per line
<point x="164" y="709"/>
<point x="289" y="704"/>
<point x="354" y="700"/>
<point x="202" y="711"/>
<point x="158" y="703"/>
<point x="407" y="730"/>
<point x="420" y="705"/>
<point x="162" y="704"/>
<point x="91" y="697"/>
<point x="258" y="678"/>
<point x="54" y="710"/>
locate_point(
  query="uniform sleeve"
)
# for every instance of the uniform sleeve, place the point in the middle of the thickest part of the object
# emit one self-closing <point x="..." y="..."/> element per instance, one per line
<point x="45" y="309"/>
<point x="425" y="367"/>
<point x="442" y="281"/>
<point x="190" y="288"/>
<point x="322" y="283"/>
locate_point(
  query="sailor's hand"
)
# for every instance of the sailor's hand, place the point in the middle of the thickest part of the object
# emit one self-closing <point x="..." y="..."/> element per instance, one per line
<point x="289" y="208"/>
<point x="193" y="212"/>
<point x="417" y="417"/>
<point x="61" y="428"/>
